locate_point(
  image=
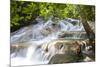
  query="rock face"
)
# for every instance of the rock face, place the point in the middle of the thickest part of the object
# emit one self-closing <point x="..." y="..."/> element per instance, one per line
<point x="62" y="50"/>
<point x="63" y="58"/>
<point x="66" y="51"/>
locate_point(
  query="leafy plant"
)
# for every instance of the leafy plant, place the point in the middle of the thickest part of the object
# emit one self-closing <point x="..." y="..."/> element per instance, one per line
<point x="23" y="12"/>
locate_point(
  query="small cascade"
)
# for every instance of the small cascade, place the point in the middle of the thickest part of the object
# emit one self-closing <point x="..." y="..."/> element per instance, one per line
<point x="38" y="34"/>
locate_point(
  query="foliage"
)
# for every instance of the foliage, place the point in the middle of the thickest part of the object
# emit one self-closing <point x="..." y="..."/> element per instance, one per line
<point x="23" y="12"/>
<point x="88" y="11"/>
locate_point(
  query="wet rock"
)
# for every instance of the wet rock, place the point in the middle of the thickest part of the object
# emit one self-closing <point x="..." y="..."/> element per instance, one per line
<point x="64" y="58"/>
<point x="46" y="31"/>
<point x="18" y="46"/>
<point x="66" y="51"/>
<point x="61" y="47"/>
<point x="88" y="59"/>
<point x="73" y="35"/>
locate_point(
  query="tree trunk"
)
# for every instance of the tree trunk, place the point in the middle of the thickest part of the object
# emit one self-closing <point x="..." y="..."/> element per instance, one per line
<point x="89" y="31"/>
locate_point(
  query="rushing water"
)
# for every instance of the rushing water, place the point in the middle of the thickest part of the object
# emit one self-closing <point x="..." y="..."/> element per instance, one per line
<point x="33" y="36"/>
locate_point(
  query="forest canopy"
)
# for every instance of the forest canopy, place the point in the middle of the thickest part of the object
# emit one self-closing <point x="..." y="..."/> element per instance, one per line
<point x="23" y="12"/>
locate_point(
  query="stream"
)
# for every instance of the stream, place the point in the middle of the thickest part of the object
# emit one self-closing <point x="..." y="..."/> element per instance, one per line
<point x="26" y="42"/>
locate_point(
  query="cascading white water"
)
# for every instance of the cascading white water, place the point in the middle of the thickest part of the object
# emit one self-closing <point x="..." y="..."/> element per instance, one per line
<point x="37" y="35"/>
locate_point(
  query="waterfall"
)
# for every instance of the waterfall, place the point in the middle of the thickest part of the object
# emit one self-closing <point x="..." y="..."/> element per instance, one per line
<point x="30" y="39"/>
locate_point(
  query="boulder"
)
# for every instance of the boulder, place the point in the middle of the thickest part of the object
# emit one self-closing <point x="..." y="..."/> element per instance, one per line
<point x="66" y="51"/>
